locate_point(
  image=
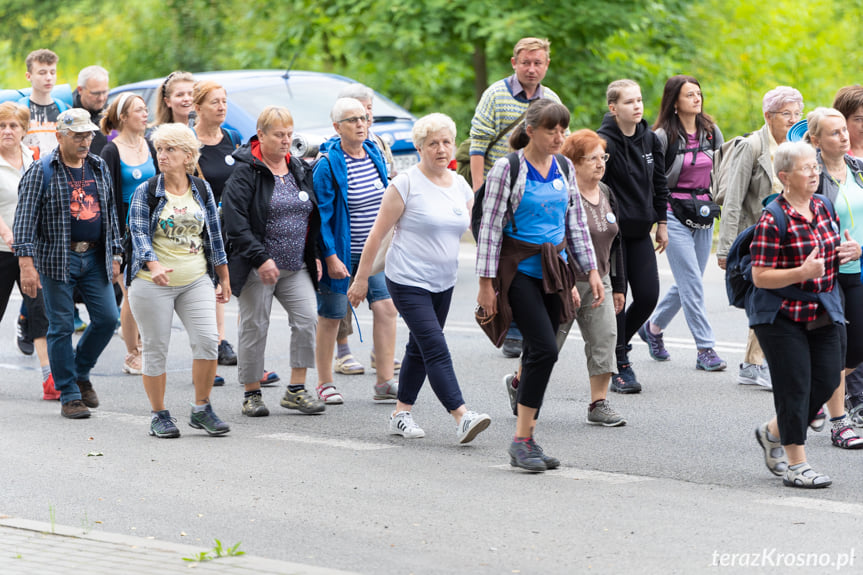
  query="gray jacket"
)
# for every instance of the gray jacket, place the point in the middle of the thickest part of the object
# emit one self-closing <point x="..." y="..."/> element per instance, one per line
<point x="752" y="182"/>
<point x="672" y="174"/>
<point x="830" y="187"/>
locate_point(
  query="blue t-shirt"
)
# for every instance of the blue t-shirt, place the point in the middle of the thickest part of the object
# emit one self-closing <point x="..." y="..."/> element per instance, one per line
<point x="84" y="206"/>
<point x="541" y="214"/>
<point x="132" y="176"/>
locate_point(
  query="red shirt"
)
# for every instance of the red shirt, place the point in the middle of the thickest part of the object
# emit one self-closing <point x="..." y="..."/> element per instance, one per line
<point x="800" y="239"/>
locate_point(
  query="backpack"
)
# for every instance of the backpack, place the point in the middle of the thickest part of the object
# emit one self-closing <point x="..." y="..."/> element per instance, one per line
<point x="738" y="266"/>
<point x="723" y="164"/>
<point x="479" y="195"/>
<point x="462" y="153"/>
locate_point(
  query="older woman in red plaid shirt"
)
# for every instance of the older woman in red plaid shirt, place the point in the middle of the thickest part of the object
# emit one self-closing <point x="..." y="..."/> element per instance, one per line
<point x="801" y="332"/>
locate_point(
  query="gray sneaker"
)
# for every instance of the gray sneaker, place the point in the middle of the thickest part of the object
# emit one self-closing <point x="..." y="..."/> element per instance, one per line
<point x="511" y="391"/>
<point x="253" y="406"/>
<point x="751" y="374"/>
<point x="855" y="415"/>
<point x="604" y="414"/>
<point x="386" y="391"/>
<point x="208" y="421"/>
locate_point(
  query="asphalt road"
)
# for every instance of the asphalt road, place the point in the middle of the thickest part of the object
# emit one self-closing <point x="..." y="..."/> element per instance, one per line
<point x="682" y="488"/>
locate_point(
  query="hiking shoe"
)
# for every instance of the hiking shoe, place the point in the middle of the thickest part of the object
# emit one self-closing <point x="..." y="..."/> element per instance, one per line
<point x="624" y="380"/>
<point x="208" y="421"/>
<point x="655" y="345"/>
<point x="75" y="409"/>
<point x="133" y="364"/>
<point x="348" y="365"/>
<point x="855" y="415"/>
<point x="25" y="343"/>
<point x="253" y="406"/>
<point x="88" y="395"/>
<point x="512" y="391"/>
<point x="709" y="361"/>
<point x="819" y="421"/>
<point x="302" y="401"/>
<point x="397" y="365"/>
<point x="162" y="425"/>
<point x="218" y="381"/>
<point x="846" y="438"/>
<point x="270" y="378"/>
<point x="550" y="462"/>
<point x="471" y="425"/>
<point x="402" y="423"/>
<point x="80" y="325"/>
<point x="49" y="393"/>
<point x="604" y="414"/>
<point x="227" y="355"/>
<point x="525" y="455"/>
<point x="805" y="477"/>
<point x="329" y="395"/>
<point x="511" y="347"/>
<point x="774" y="454"/>
<point x="386" y="390"/>
<point x="751" y="374"/>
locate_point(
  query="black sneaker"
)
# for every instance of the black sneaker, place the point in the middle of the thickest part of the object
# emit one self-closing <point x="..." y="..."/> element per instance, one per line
<point x="227" y="356"/>
<point x="208" y="421"/>
<point x="525" y="455"/>
<point x="25" y="344"/>
<point x="624" y="380"/>
<point x="511" y="347"/>
<point x="162" y="425"/>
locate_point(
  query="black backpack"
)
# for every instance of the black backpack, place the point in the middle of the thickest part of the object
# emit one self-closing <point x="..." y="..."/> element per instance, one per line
<point x="738" y="266"/>
<point x="479" y="195"/>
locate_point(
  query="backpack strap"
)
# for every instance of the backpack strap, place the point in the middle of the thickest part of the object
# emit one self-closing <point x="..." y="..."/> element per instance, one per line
<point x="513" y="177"/>
<point x="234" y="137"/>
<point x="47" y="171"/>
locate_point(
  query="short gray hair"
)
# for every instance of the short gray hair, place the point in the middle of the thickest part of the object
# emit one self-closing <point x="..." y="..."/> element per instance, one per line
<point x="430" y="124"/>
<point x="89" y="73"/>
<point x="343" y="105"/>
<point x="779" y="97"/>
<point x="358" y="91"/>
<point x="788" y="153"/>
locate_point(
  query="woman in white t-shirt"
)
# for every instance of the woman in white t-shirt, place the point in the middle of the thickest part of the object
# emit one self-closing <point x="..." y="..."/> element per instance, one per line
<point x="429" y="206"/>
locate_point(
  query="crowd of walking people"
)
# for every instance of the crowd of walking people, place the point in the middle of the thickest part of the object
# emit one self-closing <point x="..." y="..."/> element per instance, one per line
<point x="145" y="221"/>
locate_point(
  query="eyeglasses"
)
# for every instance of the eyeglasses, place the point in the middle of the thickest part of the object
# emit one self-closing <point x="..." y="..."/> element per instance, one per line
<point x="810" y="169"/>
<point x="355" y="120"/>
<point x="82" y="137"/>
<point x="593" y="159"/>
<point x="99" y="94"/>
<point x="789" y="115"/>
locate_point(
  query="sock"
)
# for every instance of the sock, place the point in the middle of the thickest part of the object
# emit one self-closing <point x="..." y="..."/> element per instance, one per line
<point x="199" y="408"/>
<point x="653" y="328"/>
<point x="838" y="422"/>
<point x="248" y="394"/>
<point x="294" y="388"/>
<point x="343" y="349"/>
<point x="515" y="381"/>
<point x="771" y="438"/>
<point x="46" y="372"/>
<point x="594" y="404"/>
<point x="518" y="439"/>
<point x="797" y="466"/>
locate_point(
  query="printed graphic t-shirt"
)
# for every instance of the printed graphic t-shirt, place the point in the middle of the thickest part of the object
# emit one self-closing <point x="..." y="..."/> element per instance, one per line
<point x="43" y="127"/>
<point x="84" y="207"/>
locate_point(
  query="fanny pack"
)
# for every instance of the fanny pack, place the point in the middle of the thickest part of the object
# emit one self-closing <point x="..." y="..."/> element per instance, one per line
<point x="692" y="212"/>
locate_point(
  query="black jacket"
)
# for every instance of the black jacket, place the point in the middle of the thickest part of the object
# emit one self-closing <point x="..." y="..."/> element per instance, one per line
<point x="246" y="207"/>
<point x="636" y="172"/>
<point x="99" y="139"/>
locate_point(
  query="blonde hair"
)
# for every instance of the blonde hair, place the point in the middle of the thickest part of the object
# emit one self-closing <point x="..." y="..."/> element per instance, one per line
<point x="13" y="111"/>
<point x="530" y="44"/>
<point x="814" y="119"/>
<point x="272" y="116"/>
<point x="612" y="93"/>
<point x="112" y="120"/>
<point x="180" y="136"/>
<point x="428" y="125"/>
<point x="164" y="115"/>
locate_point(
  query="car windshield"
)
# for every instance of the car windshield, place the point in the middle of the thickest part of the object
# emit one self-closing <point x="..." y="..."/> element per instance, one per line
<point x="309" y="103"/>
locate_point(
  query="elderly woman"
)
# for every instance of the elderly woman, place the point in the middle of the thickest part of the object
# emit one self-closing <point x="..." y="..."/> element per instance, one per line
<point x="430" y="205"/>
<point x="799" y="328"/>
<point x="842" y="182"/>
<point x="178" y="257"/>
<point x="272" y="224"/>
<point x="131" y="160"/>
<point x="350" y="180"/>
<point x="175" y="100"/>
<point x="530" y="265"/>
<point x="15" y="158"/>
<point x="689" y="138"/>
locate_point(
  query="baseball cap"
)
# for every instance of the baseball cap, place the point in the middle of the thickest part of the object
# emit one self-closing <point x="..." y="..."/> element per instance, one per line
<point x="76" y="120"/>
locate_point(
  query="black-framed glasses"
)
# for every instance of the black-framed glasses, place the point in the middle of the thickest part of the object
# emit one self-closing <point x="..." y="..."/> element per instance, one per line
<point x="356" y="120"/>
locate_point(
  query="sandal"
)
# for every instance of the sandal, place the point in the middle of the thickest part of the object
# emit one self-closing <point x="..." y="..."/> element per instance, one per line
<point x="805" y="477"/>
<point x="328" y="393"/>
<point x="846" y="438"/>
<point x="348" y="365"/>
<point x="774" y="453"/>
<point x="819" y="421"/>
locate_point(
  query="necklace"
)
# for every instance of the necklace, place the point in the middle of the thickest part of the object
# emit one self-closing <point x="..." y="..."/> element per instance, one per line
<point x="77" y="196"/>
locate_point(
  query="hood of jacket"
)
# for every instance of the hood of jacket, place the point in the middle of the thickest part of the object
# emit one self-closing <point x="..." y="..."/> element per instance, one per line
<point x="611" y="131"/>
<point x="250" y="153"/>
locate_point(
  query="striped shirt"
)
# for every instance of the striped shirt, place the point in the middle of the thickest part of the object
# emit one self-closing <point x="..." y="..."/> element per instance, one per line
<point x="365" y="192"/>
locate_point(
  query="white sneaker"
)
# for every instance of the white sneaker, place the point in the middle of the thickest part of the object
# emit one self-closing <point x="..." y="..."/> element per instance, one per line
<point x="751" y="374"/>
<point x="471" y="424"/>
<point x="402" y="423"/>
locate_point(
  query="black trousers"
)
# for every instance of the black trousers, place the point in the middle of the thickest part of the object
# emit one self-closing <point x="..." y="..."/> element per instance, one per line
<point x="642" y="275"/>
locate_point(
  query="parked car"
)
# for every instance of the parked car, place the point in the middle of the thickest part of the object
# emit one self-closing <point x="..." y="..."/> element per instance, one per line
<point x="308" y="95"/>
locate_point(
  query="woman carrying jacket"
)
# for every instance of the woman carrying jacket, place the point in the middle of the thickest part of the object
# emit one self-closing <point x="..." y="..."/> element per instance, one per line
<point x="635" y="171"/>
<point x="272" y="224"/>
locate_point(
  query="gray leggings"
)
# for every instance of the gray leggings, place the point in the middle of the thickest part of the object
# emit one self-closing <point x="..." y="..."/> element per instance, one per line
<point x="154" y="306"/>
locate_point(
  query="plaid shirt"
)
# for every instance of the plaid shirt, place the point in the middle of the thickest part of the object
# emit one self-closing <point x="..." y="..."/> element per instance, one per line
<point x="495" y="217"/>
<point x="800" y="239"/>
<point x="43" y="227"/>
<point x="142" y="226"/>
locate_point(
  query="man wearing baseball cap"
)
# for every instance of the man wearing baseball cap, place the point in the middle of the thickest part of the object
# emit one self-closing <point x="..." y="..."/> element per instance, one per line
<point x="67" y="237"/>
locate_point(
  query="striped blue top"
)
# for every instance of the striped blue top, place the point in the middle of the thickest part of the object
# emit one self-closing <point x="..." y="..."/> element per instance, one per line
<point x="365" y="192"/>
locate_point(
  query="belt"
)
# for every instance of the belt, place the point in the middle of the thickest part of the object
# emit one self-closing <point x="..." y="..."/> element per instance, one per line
<point x="81" y="247"/>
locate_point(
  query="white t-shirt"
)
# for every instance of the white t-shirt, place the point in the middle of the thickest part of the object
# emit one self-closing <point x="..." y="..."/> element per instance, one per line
<point x="424" y="252"/>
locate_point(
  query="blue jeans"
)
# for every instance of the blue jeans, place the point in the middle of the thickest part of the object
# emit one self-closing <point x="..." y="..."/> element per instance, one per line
<point x="426" y="353"/>
<point x="688" y="251"/>
<point x="68" y="365"/>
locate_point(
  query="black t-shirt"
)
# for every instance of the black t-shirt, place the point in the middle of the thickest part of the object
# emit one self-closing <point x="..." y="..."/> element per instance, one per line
<point x="85" y="209"/>
<point x="217" y="164"/>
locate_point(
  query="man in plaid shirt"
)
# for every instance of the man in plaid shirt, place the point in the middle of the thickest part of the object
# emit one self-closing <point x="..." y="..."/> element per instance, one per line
<point x="66" y="236"/>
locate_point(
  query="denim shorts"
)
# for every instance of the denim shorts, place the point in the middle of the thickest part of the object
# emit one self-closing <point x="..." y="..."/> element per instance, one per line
<point x="332" y="305"/>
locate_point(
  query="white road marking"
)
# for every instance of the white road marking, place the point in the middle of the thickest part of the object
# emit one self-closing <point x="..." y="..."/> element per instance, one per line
<point x="588" y="475"/>
<point x="120" y="416"/>
<point x="816" y="504"/>
<point x="329" y="442"/>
